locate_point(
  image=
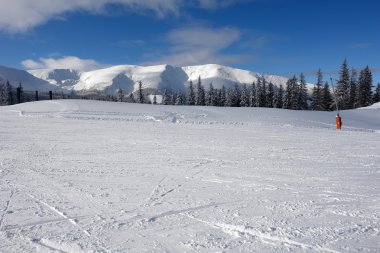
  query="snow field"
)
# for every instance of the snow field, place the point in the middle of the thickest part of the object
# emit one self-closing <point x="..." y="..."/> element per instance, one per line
<point x="88" y="176"/>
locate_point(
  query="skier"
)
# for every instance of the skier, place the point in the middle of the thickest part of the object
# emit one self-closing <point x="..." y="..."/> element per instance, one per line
<point x="338" y="121"/>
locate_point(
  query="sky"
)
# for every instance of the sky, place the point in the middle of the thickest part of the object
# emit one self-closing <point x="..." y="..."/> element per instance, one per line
<point x="282" y="37"/>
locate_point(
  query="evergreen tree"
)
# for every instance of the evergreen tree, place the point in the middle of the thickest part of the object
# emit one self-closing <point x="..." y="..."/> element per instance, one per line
<point x="353" y="88"/>
<point x="120" y="95"/>
<point x="316" y="104"/>
<point x="20" y="94"/>
<point x="258" y="92"/>
<point x="173" y="98"/>
<point x="131" y="98"/>
<point x="179" y="99"/>
<point x="244" y="98"/>
<point x="154" y="99"/>
<point x="263" y="92"/>
<point x="291" y="94"/>
<point x="252" y="95"/>
<point x="279" y="95"/>
<point x="166" y="98"/>
<point x="191" y="94"/>
<point x="200" y="96"/>
<point x="343" y="87"/>
<point x="141" y="94"/>
<point x="6" y="96"/>
<point x="295" y="94"/>
<point x="376" y="96"/>
<point x="364" y="91"/>
<point x="327" y="100"/>
<point x="302" y="93"/>
<point x="222" y="101"/>
<point x="210" y="97"/>
<point x="270" y="95"/>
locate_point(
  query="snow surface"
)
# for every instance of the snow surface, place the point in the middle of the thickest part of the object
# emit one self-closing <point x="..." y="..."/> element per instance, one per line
<point x="89" y="176"/>
<point x="159" y="77"/>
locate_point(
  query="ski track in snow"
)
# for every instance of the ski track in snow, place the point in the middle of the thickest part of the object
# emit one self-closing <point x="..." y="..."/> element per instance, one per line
<point x="87" y="176"/>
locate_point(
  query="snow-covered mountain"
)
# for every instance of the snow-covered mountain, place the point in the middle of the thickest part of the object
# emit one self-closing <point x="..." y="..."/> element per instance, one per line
<point x="158" y="77"/>
<point x="29" y="81"/>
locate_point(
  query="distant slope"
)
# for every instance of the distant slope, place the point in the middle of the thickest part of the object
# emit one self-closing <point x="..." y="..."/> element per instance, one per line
<point x="28" y="81"/>
<point x="158" y="77"/>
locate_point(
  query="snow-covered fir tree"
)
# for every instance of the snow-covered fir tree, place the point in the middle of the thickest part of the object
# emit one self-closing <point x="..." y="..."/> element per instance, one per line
<point x="316" y="103"/>
<point x="252" y="95"/>
<point x="141" y="98"/>
<point x="270" y="95"/>
<point x="166" y="98"/>
<point x="223" y="94"/>
<point x="120" y="95"/>
<point x="244" y="98"/>
<point x="191" y="94"/>
<point x="364" y="90"/>
<point x="131" y="98"/>
<point x="154" y="99"/>
<point x="200" y="98"/>
<point x="291" y="94"/>
<point x="327" y="100"/>
<point x="278" y="98"/>
<point x="263" y="92"/>
<point x="6" y="94"/>
<point x="179" y="99"/>
<point x="343" y="87"/>
<point x="20" y="94"/>
<point x="258" y="92"/>
<point x="353" y="88"/>
<point x="376" y="96"/>
<point x="302" y="93"/>
<point x="210" y="96"/>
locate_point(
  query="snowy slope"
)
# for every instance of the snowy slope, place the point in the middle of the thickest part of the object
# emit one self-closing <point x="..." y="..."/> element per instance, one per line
<point x="65" y="78"/>
<point x="90" y="176"/>
<point x="28" y="81"/>
<point x="159" y="77"/>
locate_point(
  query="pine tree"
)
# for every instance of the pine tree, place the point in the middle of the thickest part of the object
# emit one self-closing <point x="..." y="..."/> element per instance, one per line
<point x="295" y="94"/>
<point x="20" y="94"/>
<point x="270" y="95"/>
<point x="179" y="99"/>
<point x="279" y="103"/>
<point x="302" y="93"/>
<point x="141" y="93"/>
<point x="166" y="98"/>
<point x="131" y="98"/>
<point x="191" y="94"/>
<point x="263" y="92"/>
<point x="252" y="95"/>
<point x="316" y="104"/>
<point x="210" y="97"/>
<point x="200" y="96"/>
<point x="222" y="101"/>
<point x="326" y="98"/>
<point x="258" y="92"/>
<point x="353" y="88"/>
<point x="120" y="95"/>
<point x="154" y="99"/>
<point x="343" y="87"/>
<point x="364" y="91"/>
<point x="291" y="94"/>
<point x="6" y="96"/>
<point x="244" y="98"/>
<point x="376" y="96"/>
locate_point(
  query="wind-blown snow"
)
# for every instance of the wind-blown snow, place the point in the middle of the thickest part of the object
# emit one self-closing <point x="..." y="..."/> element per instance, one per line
<point x="89" y="176"/>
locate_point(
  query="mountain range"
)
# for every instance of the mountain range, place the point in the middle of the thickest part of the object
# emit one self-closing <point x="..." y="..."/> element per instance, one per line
<point x="126" y="77"/>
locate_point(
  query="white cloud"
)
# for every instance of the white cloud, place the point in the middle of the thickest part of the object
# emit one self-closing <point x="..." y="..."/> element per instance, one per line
<point x="21" y="15"/>
<point x="66" y="62"/>
<point x="201" y="45"/>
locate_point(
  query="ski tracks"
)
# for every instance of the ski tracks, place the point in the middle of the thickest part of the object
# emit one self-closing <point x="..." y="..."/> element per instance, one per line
<point x="267" y="238"/>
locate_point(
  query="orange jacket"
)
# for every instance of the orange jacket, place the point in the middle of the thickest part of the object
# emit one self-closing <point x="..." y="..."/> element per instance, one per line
<point x="338" y="121"/>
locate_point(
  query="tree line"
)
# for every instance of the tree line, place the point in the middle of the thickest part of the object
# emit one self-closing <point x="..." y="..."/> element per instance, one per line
<point x="351" y="91"/>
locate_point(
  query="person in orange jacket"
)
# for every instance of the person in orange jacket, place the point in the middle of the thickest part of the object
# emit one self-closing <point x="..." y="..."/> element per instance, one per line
<point x="338" y="121"/>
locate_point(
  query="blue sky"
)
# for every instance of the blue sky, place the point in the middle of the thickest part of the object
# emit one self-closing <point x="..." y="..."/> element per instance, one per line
<point x="283" y="37"/>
